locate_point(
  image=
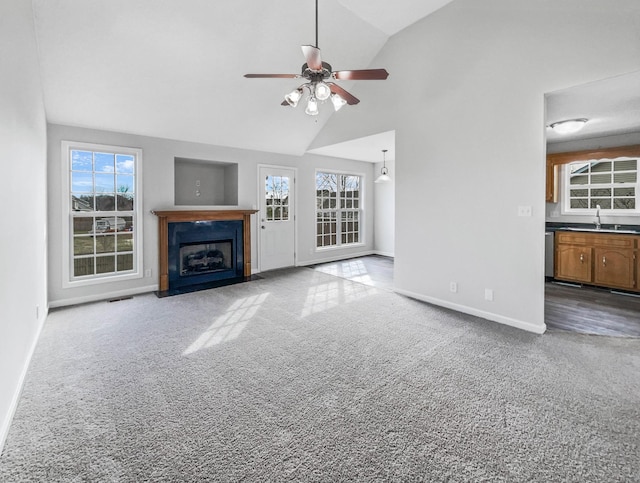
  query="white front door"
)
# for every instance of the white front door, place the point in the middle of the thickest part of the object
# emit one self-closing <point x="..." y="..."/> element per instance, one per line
<point x="277" y="217"/>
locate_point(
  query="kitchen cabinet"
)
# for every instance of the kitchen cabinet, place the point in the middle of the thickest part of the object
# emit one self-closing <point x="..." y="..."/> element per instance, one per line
<point x="573" y="258"/>
<point x="606" y="260"/>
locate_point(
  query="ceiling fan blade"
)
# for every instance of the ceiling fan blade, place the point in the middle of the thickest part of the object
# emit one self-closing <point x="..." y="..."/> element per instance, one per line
<point x="336" y="89"/>
<point x="285" y="103"/>
<point x="272" y="76"/>
<point x="312" y="54"/>
<point x="364" y="74"/>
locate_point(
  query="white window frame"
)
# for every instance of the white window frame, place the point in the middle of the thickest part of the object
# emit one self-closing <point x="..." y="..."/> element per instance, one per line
<point x="360" y="210"/>
<point x="68" y="280"/>
<point x="566" y="198"/>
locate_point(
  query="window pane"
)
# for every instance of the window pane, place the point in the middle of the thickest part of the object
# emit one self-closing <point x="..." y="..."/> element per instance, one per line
<point x="601" y="166"/>
<point x="105" y="244"/>
<point x="601" y="178"/>
<point x="81" y="182"/>
<point x="125" y="184"/>
<point x="105" y="183"/>
<point x="105" y="202"/>
<point x="124" y="163"/>
<point x="580" y="192"/>
<point x="625" y="177"/>
<point x="104" y="163"/>
<point x="125" y="242"/>
<point x="601" y="192"/>
<point x="83" y="245"/>
<point x="624" y="191"/>
<point x="605" y="203"/>
<point x="626" y="165"/>
<point x="624" y="204"/>
<point x="579" y="203"/>
<point x="82" y="203"/>
<point x="82" y="225"/>
<point x="125" y="262"/>
<point x="83" y="266"/>
<point x="81" y="160"/>
<point x="106" y="264"/>
<point x="125" y="202"/>
<point x="580" y="179"/>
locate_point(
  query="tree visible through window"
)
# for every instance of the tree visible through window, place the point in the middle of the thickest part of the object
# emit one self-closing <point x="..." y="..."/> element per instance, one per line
<point x="611" y="184"/>
<point x="103" y="204"/>
<point x="338" y="209"/>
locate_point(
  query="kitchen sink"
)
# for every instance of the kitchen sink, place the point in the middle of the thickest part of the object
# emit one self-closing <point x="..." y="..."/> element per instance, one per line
<point x="602" y="230"/>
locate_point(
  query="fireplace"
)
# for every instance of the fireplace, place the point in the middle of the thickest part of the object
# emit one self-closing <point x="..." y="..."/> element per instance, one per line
<point x="208" y="257"/>
<point x="203" y="249"/>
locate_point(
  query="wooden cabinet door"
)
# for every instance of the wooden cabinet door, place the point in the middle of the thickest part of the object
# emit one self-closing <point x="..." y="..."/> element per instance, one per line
<point x="614" y="268"/>
<point x="573" y="263"/>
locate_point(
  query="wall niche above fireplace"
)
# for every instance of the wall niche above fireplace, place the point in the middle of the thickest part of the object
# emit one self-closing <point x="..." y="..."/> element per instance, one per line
<point x="199" y="182"/>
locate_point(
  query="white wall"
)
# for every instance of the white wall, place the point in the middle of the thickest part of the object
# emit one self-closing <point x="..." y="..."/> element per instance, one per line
<point x="23" y="200"/>
<point x="554" y="210"/>
<point x="385" y="211"/>
<point x="158" y="187"/>
<point x="465" y="96"/>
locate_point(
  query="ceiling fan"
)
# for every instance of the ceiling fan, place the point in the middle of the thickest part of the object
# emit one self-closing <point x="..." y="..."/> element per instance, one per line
<point x="320" y="77"/>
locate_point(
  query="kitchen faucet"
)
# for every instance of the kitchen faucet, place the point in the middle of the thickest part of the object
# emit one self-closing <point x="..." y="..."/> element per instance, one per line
<point x="597" y="222"/>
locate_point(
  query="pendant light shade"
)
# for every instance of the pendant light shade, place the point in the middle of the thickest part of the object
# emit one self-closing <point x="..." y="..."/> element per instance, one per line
<point x="384" y="172"/>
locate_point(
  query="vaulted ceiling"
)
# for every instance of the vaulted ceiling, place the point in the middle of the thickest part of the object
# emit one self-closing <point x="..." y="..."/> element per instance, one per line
<point x="174" y="69"/>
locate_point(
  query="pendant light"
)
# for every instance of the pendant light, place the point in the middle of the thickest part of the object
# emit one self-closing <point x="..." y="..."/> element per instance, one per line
<point x="384" y="172"/>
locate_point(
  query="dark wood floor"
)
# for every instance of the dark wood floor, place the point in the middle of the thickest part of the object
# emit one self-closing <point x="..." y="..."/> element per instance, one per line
<point x="578" y="309"/>
<point x="591" y="310"/>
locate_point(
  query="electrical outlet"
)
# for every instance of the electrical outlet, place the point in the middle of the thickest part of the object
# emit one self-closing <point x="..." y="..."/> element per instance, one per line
<point x="488" y="294"/>
<point x="147" y="273"/>
<point x="453" y="287"/>
<point x="524" y="210"/>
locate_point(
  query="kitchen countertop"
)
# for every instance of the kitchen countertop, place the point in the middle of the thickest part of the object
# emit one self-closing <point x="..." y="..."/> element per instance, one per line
<point x="608" y="228"/>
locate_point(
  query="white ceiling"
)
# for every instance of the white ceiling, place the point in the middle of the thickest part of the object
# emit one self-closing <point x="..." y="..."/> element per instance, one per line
<point x="174" y="69"/>
<point x="612" y="106"/>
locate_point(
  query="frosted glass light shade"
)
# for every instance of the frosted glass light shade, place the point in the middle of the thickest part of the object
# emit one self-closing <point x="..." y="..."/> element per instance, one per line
<point x="569" y="126"/>
<point x="312" y="107"/>
<point x="337" y="101"/>
<point x="322" y="91"/>
<point x="293" y="97"/>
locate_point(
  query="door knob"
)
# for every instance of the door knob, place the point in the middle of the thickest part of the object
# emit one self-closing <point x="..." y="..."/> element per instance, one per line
<point x="262" y="227"/>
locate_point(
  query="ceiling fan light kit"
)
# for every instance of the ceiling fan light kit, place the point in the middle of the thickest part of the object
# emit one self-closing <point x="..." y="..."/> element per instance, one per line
<point x="319" y="76"/>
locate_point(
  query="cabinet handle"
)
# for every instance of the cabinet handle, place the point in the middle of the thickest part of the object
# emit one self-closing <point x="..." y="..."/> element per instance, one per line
<point x="582" y="258"/>
<point x="604" y="261"/>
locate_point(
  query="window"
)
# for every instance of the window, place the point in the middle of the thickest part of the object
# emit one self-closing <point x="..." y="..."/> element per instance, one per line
<point x="277" y="198"/>
<point x="611" y="184"/>
<point x="102" y="238"/>
<point x="338" y="209"/>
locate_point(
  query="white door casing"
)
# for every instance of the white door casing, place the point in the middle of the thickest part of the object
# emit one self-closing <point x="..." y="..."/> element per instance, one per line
<point x="276" y="220"/>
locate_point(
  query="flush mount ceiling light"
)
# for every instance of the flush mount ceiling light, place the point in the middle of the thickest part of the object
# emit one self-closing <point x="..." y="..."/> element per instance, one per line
<point x="319" y="78"/>
<point x="384" y="172"/>
<point x="569" y="126"/>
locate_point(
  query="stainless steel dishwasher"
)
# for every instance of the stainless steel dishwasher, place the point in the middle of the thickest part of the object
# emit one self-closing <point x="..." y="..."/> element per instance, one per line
<point x="549" y="248"/>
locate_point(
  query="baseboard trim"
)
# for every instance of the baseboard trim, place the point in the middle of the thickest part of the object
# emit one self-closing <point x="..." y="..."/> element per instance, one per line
<point x="102" y="296"/>
<point x="384" y="254"/>
<point x="8" y="418"/>
<point x="518" y="324"/>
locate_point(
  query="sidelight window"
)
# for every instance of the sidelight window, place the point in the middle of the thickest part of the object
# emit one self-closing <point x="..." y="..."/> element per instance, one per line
<point x="338" y="209"/>
<point x="611" y="184"/>
<point x="102" y="237"/>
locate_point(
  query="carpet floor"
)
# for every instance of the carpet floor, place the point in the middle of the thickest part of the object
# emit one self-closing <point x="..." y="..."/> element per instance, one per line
<point x="303" y="376"/>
